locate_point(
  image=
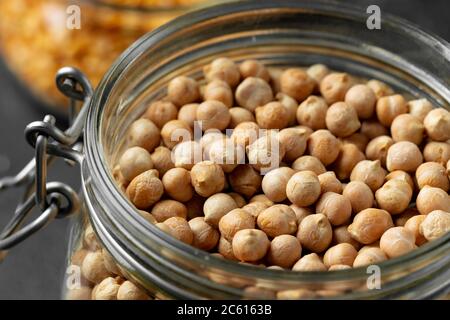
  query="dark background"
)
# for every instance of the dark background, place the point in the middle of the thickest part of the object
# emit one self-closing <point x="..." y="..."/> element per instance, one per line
<point x="34" y="269"/>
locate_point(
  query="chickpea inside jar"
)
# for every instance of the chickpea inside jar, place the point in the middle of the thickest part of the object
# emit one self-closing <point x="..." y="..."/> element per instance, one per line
<point x="269" y="195"/>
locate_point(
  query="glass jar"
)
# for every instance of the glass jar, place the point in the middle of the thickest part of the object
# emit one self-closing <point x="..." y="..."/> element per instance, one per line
<point x="281" y="34"/>
<point x="37" y="37"/>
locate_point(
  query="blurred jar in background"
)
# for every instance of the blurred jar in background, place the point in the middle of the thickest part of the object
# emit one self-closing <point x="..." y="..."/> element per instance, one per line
<point x="37" y="37"/>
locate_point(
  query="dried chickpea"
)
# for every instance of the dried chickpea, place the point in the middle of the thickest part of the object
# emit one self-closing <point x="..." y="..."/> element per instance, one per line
<point x="129" y="291"/>
<point x="223" y="69"/>
<point x="284" y="251"/>
<point x="186" y="154"/>
<point x="437" y="124"/>
<point x="227" y="154"/>
<point x="312" y="112"/>
<point x="349" y="156"/>
<point x="342" y="120"/>
<point x="255" y="208"/>
<point x="205" y="236"/>
<point x="315" y="233"/>
<point x="336" y="207"/>
<point x="277" y="220"/>
<point x="90" y="240"/>
<point x="174" y="132"/>
<point x="161" y="112"/>
<point x="148" y="216"/>
<point x="245" y="133"/>
<point x="308" y="130"/>
<point x="213" y="114"/>
<point x="334" y="87"/>
<point x="93" y="267"/>
<point x="253" y="92"/>
<point x="403" y="155"/>
<point x="275" y="75"/>
<point x="290" y="105"/>
<point x="134" y="161"/>
<point x="369" y="225"/>
<point x="372" y="129"/>
<point x="413" y="225"/>
<point x="435" y="225"/>
<point x="207" y="178"/>
<point x="432" y="174"/>
<point x="106" y="290"/>
<point x="294" y="142"/>
<point x="303" y="188"/>
<point x="397" y="241"/>
<point x="296" y="83"/>
<point x="310" y="262"/>
<point x="177" y="184"/>
<point x="361" y="98"/>
<point x="401" y="219"/>
<point x="216" y="206"/>
<point x="235" y="220"/>
<point x="340" y="254"/>
<point x="358" y="139"/>
<point x="145" y="189"/>
<point x="109" y="263"/>
<point x="406" y="127"/>
<point x="272" y="115"/>
<point x="78" y="257"/>
<point x="329" y="182"/>
<point x="377" y="148"/>
<point x="165" y="209"/>
<point x="254" y="68"/>
<point x="240" y="201"/>
<point x="188" y="114"/>
<point x="208" y="138"/>
<point x="261" y="198"/>
<point x="400" y="175"/>
<point x="266" y="152"/>
<point x="225" y="248"/>
<point x="359" y="194"/>
<point x="437" y="152"/>
<point x="309" y="163"/>
<point x="380" y="88"/>
<point x="369" y="172"/>
<point x="250" y="245"/>
<point x="394" y="196"/>
<point x="419" y="108"/>
<point x="183" y="90"/>
<point x="245" y="180"/>
<point x="162" y="160"/>
<point x="318" y="72"/>
<point x="143" y="133"/>
<point x="430" y="199"/>
<point x="274" y="183"/>
<point x="220" y="91"/>
<point x="180" y="229"/>
<point x="240" y="115"/>
<point x="389" y="107"/>
<point x="369" y="256"/>
<point x="341" y="235"/>
<point x="337" y="267"/>
<point x="324" y="146"/>
<point x="301" y="212"/>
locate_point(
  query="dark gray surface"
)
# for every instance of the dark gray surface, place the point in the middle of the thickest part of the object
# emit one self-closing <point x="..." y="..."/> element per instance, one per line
<point x="34" y="269"/>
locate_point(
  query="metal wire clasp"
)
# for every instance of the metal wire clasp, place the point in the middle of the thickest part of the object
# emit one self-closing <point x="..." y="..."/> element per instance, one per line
<point x="54" y="199"/>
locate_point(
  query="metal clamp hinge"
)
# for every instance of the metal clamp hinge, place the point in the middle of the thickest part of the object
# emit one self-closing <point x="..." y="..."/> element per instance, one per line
<point x="53" y="199"/>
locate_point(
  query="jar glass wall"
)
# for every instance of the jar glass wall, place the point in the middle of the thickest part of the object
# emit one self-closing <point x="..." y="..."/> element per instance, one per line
<point x="288" y="33"/>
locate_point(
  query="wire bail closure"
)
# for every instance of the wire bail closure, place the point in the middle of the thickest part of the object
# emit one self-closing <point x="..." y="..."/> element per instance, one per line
<point x="53" y="199"/>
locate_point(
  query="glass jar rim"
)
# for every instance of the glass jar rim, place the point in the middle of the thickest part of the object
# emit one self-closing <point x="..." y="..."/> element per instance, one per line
<point x="97" y="165"/>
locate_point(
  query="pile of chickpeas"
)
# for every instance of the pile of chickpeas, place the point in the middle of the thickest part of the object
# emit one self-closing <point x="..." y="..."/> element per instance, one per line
<point x="362" y="174"/>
